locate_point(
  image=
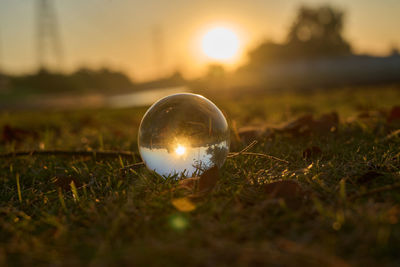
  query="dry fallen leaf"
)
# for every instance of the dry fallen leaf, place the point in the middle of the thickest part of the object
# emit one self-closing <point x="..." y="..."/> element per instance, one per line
<point x="208" y="180"/>
<point x="200" y="186"/>
<point x="249" y="133"/>
<point x="283" y="189"/>
<point x="11" y="133"/>
<point x="306" y="125"/>
<point x="183" y="204"/>
<point x="299" y="126"/>
<point x="288" y="190"/>
<point x="394" y="114"/>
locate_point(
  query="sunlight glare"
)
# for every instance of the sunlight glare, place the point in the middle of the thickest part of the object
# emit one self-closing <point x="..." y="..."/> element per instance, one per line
<point x="220" y="43"/>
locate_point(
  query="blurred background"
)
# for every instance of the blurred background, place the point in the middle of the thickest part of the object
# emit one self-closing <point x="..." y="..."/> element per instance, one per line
<point x="116" y="53"/>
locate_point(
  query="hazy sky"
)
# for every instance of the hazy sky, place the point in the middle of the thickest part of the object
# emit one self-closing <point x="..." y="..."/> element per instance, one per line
<point x="120" y="33"/>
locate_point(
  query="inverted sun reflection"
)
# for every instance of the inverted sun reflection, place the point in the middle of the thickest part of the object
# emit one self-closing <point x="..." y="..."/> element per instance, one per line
<point x="180" y="150"/>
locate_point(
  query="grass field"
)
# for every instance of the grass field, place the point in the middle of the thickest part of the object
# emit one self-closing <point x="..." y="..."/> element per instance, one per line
<point x="343" y="210"/>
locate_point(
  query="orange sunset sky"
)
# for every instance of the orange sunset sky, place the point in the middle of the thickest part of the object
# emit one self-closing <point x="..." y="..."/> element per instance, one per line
<point x="120" y="33"/>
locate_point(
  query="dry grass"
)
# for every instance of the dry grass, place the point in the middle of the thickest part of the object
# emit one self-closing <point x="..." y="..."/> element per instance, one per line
<point x="80" y="210"/>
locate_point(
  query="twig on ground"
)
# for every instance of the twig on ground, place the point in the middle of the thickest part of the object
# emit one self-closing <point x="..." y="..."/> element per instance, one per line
<point x="234" y="154"/>
<point x="133" y="166"/>
<point x="94" y="153"/>
<point x="252" y="144"/>
<point x="125" y="154"/>
<point x="265" y="156"/>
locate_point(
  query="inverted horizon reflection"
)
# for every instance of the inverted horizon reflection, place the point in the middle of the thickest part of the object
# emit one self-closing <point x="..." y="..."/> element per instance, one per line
<point x="184" y="161"/>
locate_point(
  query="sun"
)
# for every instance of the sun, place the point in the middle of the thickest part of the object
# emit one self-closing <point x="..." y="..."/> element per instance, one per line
<point x="180" y="150"/>
<point x="220" y="44"/>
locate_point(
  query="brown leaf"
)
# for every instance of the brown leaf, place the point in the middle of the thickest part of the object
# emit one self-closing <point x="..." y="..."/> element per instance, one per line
<point x="306" y="125"/>
<point x="288" y="190"/>
<point x="312" y="152"/>
<point x="202" y="185"/>
<point x="16" y="134"/>
<point x="283" y="189"/>
<point x="394" y="114"/>
<point x="299" y="126"/>
<point x="368" y="177"/>
<point x="208" y="179"/>
<point x="249" y="133"/>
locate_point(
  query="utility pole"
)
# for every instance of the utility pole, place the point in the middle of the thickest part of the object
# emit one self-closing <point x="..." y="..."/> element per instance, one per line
<point x="48" y="36"/>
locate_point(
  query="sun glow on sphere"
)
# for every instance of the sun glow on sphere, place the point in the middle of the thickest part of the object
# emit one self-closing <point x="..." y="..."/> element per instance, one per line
<point x="180" y="150"/>
<point x="220" y="43"/>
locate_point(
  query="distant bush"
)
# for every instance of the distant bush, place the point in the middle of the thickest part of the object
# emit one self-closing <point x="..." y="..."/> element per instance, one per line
<point x="315" y="33"/>
<point x="82" y="80"/>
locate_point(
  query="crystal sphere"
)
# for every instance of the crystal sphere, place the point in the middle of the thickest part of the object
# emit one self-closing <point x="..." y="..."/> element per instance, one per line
<point x="183" y="134"/>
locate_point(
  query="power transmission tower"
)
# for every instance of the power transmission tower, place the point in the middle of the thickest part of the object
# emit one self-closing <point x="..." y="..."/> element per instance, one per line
<point x="1" y="55"/>
<point x="48" y="36"/>
<point x="158" y="46"/>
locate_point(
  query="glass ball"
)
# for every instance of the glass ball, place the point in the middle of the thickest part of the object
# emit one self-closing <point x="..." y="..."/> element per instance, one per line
<point x="184" y="135"/>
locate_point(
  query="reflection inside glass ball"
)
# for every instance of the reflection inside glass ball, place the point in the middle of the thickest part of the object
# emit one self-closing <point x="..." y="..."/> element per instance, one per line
<point x="180" y="150"/>
<point x="184" y="135"/>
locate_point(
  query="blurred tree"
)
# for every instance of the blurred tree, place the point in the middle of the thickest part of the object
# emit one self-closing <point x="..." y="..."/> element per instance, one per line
<point x="83" y="80"/>
<point x="176" y="79"/>
<point x="315" y="32"/>
<point x="394" y="51"/>
<point x="103" y="80"/>
<point x="215" y="71"/>
<point x="318" y="32"/>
